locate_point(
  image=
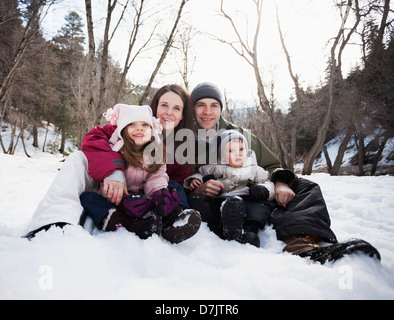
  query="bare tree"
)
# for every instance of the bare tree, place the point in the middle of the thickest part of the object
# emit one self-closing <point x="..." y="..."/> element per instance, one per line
<point x="186" y="65"/>
<point x="335" y="78"/>
<point x="99" y="106"/>
<point x="138" y="21"/>
<point x="33" y="15"/>
<point x="250" y="54"/>
<point x="91" y="62"/>
<point x="164" y="53"/>
<point x="298" y="105"/>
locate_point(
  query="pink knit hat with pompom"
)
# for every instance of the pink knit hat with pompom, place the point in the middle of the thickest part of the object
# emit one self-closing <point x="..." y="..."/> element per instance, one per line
<point x="123" y="114"/>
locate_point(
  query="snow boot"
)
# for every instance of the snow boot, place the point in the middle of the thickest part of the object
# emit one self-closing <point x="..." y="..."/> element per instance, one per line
<point x="142" y="227"/>
<point x="297" y="244"/>
<point x="251" y="229"/>
<point x="233" y="211"/>
<point x="181" y="225"/>
<point x="337" y="251"/>
<point x="251" y="238"/>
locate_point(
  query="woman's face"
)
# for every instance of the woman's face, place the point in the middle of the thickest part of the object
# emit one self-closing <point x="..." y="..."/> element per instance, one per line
<point x="170" y="110"/>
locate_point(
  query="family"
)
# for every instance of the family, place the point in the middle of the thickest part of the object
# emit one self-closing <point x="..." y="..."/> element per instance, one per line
<point x="136" y="173"/>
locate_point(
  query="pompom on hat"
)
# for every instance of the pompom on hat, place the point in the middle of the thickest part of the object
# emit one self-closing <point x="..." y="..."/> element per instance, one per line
<point x="123" y="114"/>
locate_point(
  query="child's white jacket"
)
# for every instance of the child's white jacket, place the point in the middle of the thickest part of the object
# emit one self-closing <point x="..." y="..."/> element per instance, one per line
<point x="235" y="180"/>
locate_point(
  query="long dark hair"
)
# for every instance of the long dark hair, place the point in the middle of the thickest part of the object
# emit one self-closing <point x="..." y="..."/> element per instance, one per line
<point x="187" y="112"/>
<point x="133" y="156"/>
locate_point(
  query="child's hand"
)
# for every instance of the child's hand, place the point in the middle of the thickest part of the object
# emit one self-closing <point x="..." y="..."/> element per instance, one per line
<point x="195" y="183"/>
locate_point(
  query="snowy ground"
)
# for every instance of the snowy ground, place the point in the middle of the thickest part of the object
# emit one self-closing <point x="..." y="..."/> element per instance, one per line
<point x="73" y="264"/>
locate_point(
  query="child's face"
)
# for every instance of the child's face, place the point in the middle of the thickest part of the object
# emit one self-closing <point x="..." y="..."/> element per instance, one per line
<point x="234" y="153"/>
<point x="140" y="132"/>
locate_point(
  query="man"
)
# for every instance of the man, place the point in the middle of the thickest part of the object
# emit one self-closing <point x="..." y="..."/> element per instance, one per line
<point x="300" y="218"/>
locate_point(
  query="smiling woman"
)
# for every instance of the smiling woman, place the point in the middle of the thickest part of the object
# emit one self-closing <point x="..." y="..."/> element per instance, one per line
<point x="170" y="110"/>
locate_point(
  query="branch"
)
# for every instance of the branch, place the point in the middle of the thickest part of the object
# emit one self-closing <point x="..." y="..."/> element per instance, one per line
<point x="244" y="46"/>
<point x="232" y="45"/>
<point x="120" y="19"/>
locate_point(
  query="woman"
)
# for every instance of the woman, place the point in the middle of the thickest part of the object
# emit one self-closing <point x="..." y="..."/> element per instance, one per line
<point x="99" y="163"/>
<point x="172" y="106"/>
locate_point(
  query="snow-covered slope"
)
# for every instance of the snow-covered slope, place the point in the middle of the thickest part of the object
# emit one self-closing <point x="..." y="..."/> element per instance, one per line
<point x="73" y="264"/>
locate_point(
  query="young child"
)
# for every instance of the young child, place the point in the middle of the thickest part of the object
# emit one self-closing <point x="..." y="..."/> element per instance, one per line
<point x="247" y="189"/>
<point x="150" y="205"/>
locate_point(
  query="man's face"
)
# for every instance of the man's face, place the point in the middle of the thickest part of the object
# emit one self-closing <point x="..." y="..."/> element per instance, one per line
<point x="207" y="112"/>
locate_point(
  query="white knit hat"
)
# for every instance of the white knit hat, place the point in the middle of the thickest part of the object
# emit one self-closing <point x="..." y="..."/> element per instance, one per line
<point x="123" y="114"/>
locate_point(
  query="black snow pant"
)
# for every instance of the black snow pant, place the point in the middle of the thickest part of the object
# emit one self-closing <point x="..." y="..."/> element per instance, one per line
<point x="306" y="215"/>
<point x="257" y="213"/>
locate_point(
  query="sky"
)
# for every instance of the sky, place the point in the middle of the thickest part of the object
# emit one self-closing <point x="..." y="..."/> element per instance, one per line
<point x="307" y="25"/>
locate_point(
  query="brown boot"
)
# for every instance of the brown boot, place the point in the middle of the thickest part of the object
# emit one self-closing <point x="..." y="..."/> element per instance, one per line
<point x="181" y="225"/>
<point x="297" y="244"/>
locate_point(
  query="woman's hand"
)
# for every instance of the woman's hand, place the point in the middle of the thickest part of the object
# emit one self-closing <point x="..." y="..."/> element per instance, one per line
<point x="283" y="194"/>
<point x="114" y="191"/>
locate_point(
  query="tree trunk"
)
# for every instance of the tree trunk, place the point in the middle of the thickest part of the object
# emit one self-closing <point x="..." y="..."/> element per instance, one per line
<point x="341" y="152"/>
<point x="328" y="160"/>
<point x="164" y="53"/>
<point x="35" y="136"/>
<point x="132" y="41"/>
<point x="104" y="62"/>
<point x="91" y="64"/>
<point x="335" y="76"/>
<point x="299" y="97"/>
<point x="360" y="148"/>
<point x="378" y="155"/>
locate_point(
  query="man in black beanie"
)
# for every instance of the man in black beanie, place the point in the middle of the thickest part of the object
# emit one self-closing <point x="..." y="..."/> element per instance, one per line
<point x="208" y="105"/>
<point x="207" y="90"/>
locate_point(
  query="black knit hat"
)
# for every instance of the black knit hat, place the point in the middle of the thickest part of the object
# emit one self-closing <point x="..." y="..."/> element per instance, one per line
<point x="207" y="90"/>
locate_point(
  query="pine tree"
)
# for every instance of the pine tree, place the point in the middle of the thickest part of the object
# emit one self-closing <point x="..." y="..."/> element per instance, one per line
<point x="69" y="49"/>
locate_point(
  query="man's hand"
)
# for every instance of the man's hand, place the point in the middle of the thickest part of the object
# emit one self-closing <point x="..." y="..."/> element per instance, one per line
<point x="210" y="188"/>
<point x="114" y="190"/>
<point x="283" y="194"/>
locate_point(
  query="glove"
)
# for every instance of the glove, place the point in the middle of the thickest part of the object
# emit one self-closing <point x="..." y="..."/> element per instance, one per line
<point x="137" y="205"/>
<point x="257" y="192"/>
<point x="165" y="201"/>
<point x="208" y="177"/>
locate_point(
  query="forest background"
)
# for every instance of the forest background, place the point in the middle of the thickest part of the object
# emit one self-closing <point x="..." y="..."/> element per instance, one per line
<point x="69" y="79"/>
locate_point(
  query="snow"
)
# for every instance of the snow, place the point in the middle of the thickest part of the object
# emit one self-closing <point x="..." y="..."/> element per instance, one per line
<point x="74" y="264"/>
<point x="333" y="145"/>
